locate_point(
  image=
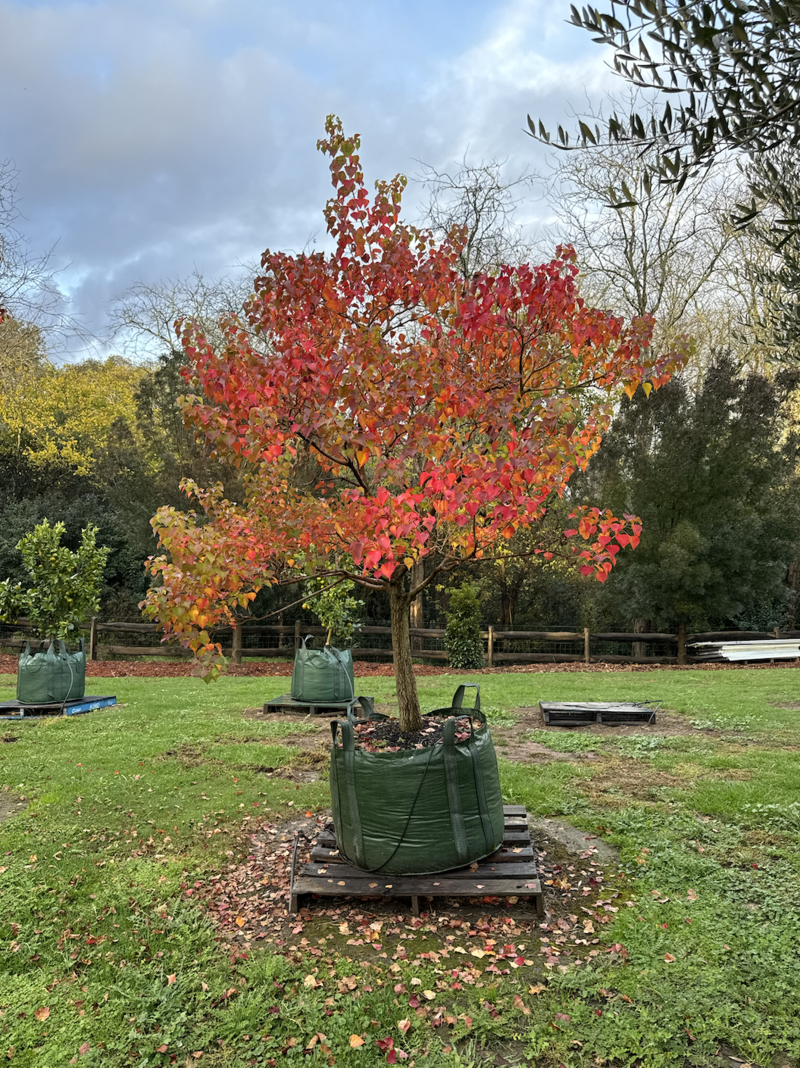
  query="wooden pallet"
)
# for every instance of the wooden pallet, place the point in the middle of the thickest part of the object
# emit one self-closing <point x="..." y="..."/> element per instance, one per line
<point x="15" y="710"/>
<point x="583" y="713"/>
<point x="288" y="707"/>
<point x="509" y="872"/>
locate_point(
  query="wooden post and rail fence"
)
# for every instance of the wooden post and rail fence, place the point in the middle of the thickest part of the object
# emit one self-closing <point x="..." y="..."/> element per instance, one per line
<point x="586" y="646"/>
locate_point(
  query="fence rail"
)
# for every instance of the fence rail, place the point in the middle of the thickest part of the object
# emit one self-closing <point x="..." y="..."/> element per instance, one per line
<point x="500" y="645"/>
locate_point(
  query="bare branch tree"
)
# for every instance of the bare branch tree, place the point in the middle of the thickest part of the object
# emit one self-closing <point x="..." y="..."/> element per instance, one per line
<point x="484" y="201"/>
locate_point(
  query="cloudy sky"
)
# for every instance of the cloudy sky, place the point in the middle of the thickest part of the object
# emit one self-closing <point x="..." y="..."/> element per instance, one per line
<point x="153" y="137"/>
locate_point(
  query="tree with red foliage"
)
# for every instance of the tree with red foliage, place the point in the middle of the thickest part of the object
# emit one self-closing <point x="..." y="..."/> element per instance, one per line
<point x="388" y="411"/>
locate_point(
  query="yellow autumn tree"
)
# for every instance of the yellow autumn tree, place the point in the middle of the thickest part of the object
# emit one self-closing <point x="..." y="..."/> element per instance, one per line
<point x="60" y="415"/>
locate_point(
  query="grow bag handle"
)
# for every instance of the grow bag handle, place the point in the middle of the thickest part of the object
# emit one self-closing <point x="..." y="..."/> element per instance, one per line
<point x="35" y="666"/>
<point x="308" y="638"/>
<point x="458" y="703"/>
<point x="458" y="697"/>
<point x="348" y="736"/>
<point x="367" y="706"/>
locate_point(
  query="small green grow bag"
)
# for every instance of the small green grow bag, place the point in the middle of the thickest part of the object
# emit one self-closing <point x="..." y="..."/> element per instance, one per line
<point x="417" y="812"/>
<point x="322" y="675"/>
<point x="51" y="675"/>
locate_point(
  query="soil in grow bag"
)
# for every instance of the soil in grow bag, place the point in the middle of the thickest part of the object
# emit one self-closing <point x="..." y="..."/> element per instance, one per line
<point x="420" y="810"/>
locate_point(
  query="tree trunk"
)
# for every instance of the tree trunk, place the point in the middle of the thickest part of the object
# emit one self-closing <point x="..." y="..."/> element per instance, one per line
<point x="417" y="614"/>
<point x="405" y="680"/>
<point x="793" y="582"/>
<point x="639" y="650"/>
<point x="682" y="643"/>
<point x="237" y="642"/>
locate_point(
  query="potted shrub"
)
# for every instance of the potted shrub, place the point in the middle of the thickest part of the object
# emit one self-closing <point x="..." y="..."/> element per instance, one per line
<point x="392" y="411"/>
<point x="63" y="589"/>
<point x="326" y="675"/>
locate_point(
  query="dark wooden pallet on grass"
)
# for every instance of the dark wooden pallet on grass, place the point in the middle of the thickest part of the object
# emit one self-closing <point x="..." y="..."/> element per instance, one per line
<point x="509" y="872"/>
<point x="76" y="707"/>
<point x="582" y="713"/>
<point x="288" y="706"/>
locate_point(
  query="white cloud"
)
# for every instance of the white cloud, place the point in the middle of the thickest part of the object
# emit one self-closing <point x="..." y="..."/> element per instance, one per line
<point x="156" y="137"/>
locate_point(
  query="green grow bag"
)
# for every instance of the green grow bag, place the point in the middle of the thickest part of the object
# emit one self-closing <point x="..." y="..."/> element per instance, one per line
<point x="322" y="675"/>
<point x="422" y="811"/>
<point x="51" y="675"/>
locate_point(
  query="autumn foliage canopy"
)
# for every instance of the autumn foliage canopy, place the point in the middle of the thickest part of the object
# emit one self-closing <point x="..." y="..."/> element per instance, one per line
<point x="388" y="411"/>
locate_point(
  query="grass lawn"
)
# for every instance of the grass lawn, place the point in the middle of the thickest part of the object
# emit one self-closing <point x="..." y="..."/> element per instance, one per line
<point x="130" y="837"/>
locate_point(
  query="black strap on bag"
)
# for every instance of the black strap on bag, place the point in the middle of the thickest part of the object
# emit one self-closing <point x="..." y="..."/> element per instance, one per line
<point x="348" y="748"/>
<point x="454" y="791"/>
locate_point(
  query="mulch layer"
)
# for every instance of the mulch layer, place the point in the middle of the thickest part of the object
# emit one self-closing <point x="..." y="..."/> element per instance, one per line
<point x="117" y="669"/>
<point x="249" y="902"/>
<point x="386" y="736"/>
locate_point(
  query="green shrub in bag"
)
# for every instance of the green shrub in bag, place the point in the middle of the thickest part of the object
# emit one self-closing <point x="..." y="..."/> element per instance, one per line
<point x="418" y="811"/>
<point x="47" y="676"/>
<point x="322" y="675"/>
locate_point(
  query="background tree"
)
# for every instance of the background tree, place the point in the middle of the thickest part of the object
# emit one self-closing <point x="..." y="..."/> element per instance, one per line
<point x="713" y="475"/>
<point x="63" y="587"/>
<point x="480" y="199"/>
<point x="462" y="638"/>
<point x="729" y="70"/>
<point x="667" y="256"/>
<point x="372" y="357"/>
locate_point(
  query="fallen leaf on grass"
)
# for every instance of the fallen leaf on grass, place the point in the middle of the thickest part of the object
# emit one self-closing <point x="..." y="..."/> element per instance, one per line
<point x="356" y="1041"/>
<point x="171" y="979"/>
<point x="692" y="895"/>
<point x="669" y="958"/>
<point x="403" y="1026"/>
<point x="161" y="1049"/>
<point x="84" y="1048"/>
<point x="42" y="1013"/>
<point x="520" y="1004"/>
<point x="240" y="921"/>
<point x="429" y="994"/>
<point x="311" y="982"/>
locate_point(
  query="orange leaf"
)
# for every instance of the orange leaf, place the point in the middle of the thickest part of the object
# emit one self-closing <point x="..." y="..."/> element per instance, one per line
<point x="356" y="1041"/>
<point x="42" y="1013"/>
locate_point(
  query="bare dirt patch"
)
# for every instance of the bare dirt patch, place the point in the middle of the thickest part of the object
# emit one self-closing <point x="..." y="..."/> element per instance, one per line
<point x="11" y="804"/>
<point x="525" y="752"/>
<point x="617" y="782"/>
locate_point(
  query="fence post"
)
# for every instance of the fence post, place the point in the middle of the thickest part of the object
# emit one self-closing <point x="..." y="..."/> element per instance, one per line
<point x="682" y="643"/>
<point x="490" y="647"/>
<point x="296" y="635"/>
<point x="586" y="657"/>
<point x="93" y="639"/>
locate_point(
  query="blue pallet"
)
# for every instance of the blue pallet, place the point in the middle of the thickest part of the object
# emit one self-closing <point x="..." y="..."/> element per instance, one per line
<point x="76" y="707"/>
